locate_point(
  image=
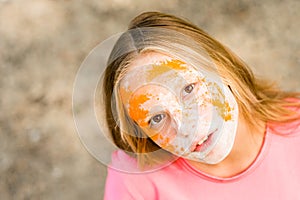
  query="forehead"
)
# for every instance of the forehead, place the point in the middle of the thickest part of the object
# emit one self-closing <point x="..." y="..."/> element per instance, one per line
<point x="148" y="58"/>
<point x="160" y="69"/>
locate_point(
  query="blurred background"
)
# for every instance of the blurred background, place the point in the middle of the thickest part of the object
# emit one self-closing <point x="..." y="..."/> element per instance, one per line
<point x="42" y="44"/>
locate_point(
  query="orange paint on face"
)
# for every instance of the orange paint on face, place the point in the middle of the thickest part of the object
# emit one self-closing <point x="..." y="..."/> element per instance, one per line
<point x="156" y="71"/>
<point x="175" y="64"/>
<point x="165" y="66"/>
<point x="137" y="113"/>
<point x="161" y="139"/>
<point x="155" y="137"/>
<point x="125" y="94"/>
<point x="228" y="115"/>
<point x="222" y="107"/>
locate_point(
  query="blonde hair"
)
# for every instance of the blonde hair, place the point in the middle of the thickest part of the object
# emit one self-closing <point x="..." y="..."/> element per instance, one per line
<point x="257" y="99"/>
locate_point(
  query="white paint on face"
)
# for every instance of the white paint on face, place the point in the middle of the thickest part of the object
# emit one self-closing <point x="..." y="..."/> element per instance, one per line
<point x="179" y="107"/>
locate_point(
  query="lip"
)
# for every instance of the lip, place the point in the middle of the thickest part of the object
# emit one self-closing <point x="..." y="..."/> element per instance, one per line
<point x="208" y="140"/>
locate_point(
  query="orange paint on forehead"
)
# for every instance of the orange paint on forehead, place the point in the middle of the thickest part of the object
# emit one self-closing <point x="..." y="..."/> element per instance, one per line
<point x="175" y="64"/>
<point x="137" y="113"/>
<point x="165" y="66"/>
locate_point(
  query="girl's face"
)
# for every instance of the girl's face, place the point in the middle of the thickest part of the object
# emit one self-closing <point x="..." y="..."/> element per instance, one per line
<point x="183" y="111"/>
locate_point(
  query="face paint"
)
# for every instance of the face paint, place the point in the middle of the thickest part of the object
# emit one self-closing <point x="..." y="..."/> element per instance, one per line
<point x="182" y="110"/>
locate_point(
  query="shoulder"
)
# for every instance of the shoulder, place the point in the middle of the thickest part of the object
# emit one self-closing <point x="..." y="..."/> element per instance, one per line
<point x="123" y="162"/>
<point x="125" y="181"/>
<point x="125" y="177"/>
<point x="291" y="128"/>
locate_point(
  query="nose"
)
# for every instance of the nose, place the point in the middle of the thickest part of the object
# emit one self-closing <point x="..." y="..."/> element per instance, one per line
<point x="179" y="126"/>
<point x="183" y="133"/>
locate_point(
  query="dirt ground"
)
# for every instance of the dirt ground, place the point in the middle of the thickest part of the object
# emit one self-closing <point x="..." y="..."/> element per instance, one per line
<point x="42" y="44"/>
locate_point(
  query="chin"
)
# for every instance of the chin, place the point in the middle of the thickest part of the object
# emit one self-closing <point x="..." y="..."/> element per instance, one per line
<point x="213" y="161"/>
<point x="214" y="158"/>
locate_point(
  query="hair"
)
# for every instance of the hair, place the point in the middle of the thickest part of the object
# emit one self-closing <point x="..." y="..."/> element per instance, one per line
<point x="257" y="99"/>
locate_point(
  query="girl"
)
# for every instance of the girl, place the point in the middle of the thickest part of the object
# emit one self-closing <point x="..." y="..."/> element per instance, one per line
<point x="193" y="121"/>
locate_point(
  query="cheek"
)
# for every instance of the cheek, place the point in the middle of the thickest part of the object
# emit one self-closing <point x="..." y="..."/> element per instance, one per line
<point x="136" y="112"/>
<point x="223" y="109"/>
<point x="221" y="104"/>
<point x="197" y="105"/>
<point x="164" y="137"/>
<point x="210" y="97"/>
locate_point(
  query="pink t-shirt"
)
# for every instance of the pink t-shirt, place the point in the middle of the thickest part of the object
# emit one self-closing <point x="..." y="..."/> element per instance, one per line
<point x="275" y="174"/>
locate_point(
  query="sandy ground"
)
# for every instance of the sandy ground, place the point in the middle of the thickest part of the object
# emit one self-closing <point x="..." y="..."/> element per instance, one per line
<point x="42" y="44"/>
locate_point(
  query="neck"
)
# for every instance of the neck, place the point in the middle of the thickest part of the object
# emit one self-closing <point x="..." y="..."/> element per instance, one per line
<point x="246" y="147"/>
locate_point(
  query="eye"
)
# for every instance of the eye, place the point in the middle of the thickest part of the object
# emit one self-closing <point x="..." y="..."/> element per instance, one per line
<point x="156" y="119"/>
<point x="188" y="89"/>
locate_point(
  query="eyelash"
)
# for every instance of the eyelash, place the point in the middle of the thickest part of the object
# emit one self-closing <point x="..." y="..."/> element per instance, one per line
<point x="151" y="124"/>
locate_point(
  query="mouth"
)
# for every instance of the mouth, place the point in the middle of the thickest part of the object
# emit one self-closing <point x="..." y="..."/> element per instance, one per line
<point x="203" y="143"/>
